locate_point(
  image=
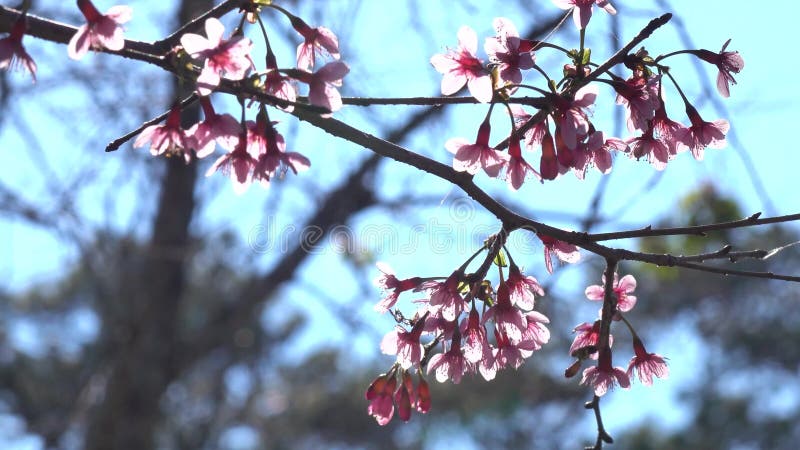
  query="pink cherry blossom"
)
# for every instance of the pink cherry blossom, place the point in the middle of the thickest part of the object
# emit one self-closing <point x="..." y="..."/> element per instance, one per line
<point x="423" y="397"/>
<point x="167" y="139"/>
<point x="571" y="116"/>
<point x="12" y="52"/>
<point x="647" y="145"/>
<point x="548" y="164"/>
<point x="603" y="377"/>
<point x="596" y="151"/>
<point x="582" y="9"/>
<point x="522" y="289"/>
<point x="509" y="353"/>
<point x="393" y="287"/>
<point x="223" y="58"/>
<point x="445" y="298"/>
<point x="476" y="345"/>
<point x="471" y="158"/>
<point x="536" y="332"/>
<point x="535" y="134"/>
<point x="622" y="288"/>
<point x="237" y="164"/>
<point x="461" y="66"/>
<point x="673" y="134"/>
<point x="100" y="30"/>
<point x="640" y="97"/>
<point x="402" y="398"/>
<point x="323" y="83"/>
<point x="588" y="335"/>
<point x="564" y="251"/>
<point x="269" y="148"/>
<point x="450" y="365"/>
<point x="510" y="53"/>
<point x="437" y="325"/>
<point x="405" y="344"/>
<point x="646" y="365"/>
<point x="507" y="318"/>
<point x="220" y="129"/>
<point x="727" y="63"/>
<point x="517" y="169"/>
<point x="704" y="134"/>
<point x="379" y="394"/>
<point x="315" y="40"/>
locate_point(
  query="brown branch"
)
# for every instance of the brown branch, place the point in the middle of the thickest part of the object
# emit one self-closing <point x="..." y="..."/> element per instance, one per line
<point x="602" y="435"/>
<point x="699" y="230"/>
<point x="536" y="102"/>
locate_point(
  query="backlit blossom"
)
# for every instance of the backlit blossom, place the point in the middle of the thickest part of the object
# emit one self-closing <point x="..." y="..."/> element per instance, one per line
<point x="392" y="286"/>
<point x="461" y="66"/>
<point x="380" y="394"/>
<point x="100" y="30"/>
<point x="673" y="134"/>
<point x="603" y="377"/>
<point x="510" y="53"/>
<point x="269" y="148"/>
<point x="536" y="332"/>
<point x="535" y="134"/>
<point x="404" y="344"/>
<point x="168" y="139"/>
<point x="279" y="85"/>
<point x="522" y="288"/>
<point x="476" y="345"/>
<point x="548" y="163"/>
<point x="622" y="288"/>
<point x="727" y="63"/>
<point x="596" y="151"/>
<point x="228" y="58"/>
<point x="319" y="40"/>
<point x="704" y="134"/>
<point x="517" y="169"/>
<point x="648" y="146"/>
<point x="640" y="97"/>
<point x="220" y="129"/>
<point x="450" y="365"/>
<point x="445" y="298"/>
<point x="507" y="318"/>
<point x="587" y="336"/>
<point x="12" y="52"/>
<point x="646" y="365"/>
<point x="423" y="398"/>
<point x="564" y="251"/>
<point x="322" y="84"/>
<point x="582" y="9"/>
<point x="471" y="158"/>
<point x="571" y="116"/>
<point x="237" y="164"/>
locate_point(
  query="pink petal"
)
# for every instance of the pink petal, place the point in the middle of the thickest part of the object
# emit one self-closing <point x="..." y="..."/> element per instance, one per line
<point x="194" y="44"/>
<point x="214" y="30"/>
<point x="481" y="88"/>
<point x="120" y="13"/>
<point x="468" y="39"/>
<point x="79" y="44"/>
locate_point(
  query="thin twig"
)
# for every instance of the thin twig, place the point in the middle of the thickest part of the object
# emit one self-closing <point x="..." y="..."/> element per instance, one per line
<point x="116" y="143"/>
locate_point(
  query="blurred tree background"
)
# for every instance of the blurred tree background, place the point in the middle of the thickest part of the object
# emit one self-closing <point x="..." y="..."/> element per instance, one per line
<point x="160" y="326"/>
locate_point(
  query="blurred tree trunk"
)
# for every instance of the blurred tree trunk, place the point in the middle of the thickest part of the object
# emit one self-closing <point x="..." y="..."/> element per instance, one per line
<point x="143" y="324"/>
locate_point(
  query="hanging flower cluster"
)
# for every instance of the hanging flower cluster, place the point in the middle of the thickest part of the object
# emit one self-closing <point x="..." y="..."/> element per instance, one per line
<point x="478" y="327"/>
<point x="562" y="130"/>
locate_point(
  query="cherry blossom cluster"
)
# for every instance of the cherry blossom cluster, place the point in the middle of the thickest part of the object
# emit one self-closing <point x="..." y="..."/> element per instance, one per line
<point x="586" y="345"/>
<point x="562" y="129"/>
<point x="478" y="327"/>
<point x="255" y="151"/>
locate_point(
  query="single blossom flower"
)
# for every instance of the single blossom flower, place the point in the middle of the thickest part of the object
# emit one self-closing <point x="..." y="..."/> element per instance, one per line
<point x="517" y="169"/>
<point x="535" y="134"/>
<point x="237" y="164"/>
<point x="673" y="134"/>
<point x="461" y="66"/>
<point x="12" y="52"/>
<point x="582" y="9"/>
<point x="584" y="345"/>
<point x="704" y="134"/>
<point x="646" y="365"/>
<point x="380" y="394"/>
<point x="571" y="116"/>
<point x="423" y="397"/>
<point x="536" y="332"/>
<point x="564" y="251"/>
<point x="167" y="139"/>
<point x="596" y="151"/>
<point x="471" y="158"/>
<point x="640" y="97"/>
<point x="269" y="148"/>
<point x="508" y="52"/>
<point x="445" y="300"/>
<point x="476" y="345"/>
<point x="322" y="84"/>
<point x="402" y="398"/>
<point x="603" y="377"/>
<point x="315" y="40"/>
<point x="220" y="129"/>
<point x="279" y="85"/>
<point x="548" y="163"/>
<point x="648" y="146"/>
<point x="507" y="318"/>
<point x="727" y="63"/>
<point x="100" y="30"/>
<point x="622" y="288"/>
<point x="392" y="286"/>
<point x="405" y="344"/>
<point x="522" y="288"/>
<point x="451" y="365"/>
<point x="228" y="58"/>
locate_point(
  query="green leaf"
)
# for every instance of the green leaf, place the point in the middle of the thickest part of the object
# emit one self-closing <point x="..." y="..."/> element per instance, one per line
<point x="500" y="259"/>
<point x="586" y="56"/>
